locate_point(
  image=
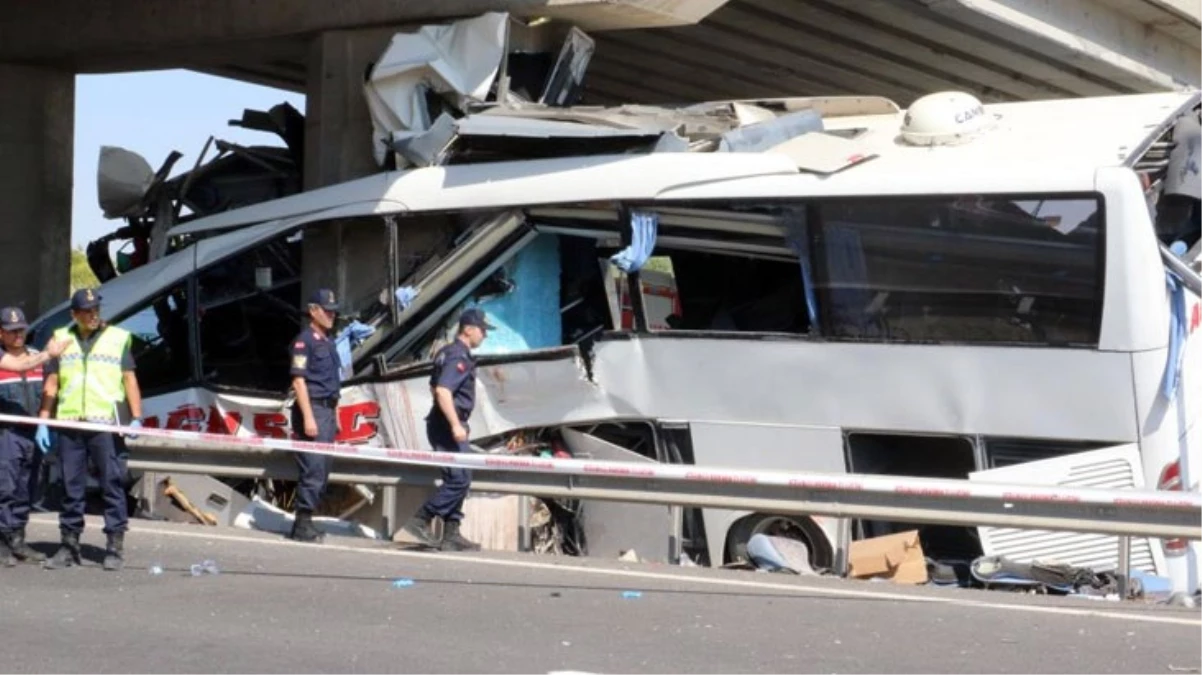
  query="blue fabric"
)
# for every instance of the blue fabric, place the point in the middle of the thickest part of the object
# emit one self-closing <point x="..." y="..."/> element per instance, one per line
<point x="528" y="316"/>
<point x="405" y="295"/>
<point x="799" y="242"/>
<point x="643" y="228"/>
<point x="352" y="336"/>
<point x="1177" y="336"/>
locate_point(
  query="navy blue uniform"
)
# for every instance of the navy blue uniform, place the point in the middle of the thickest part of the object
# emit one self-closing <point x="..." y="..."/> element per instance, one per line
<point x="77" y="448"/>
<point x="454" y="369"/>
<point x="20" y="460"/>
<point x="315" y="358"/>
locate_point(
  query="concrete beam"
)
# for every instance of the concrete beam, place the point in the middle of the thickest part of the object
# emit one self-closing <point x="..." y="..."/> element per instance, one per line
<point x="1085" y="34"/>
<point x="75" y="34"/>
<point x="37" y="135"/>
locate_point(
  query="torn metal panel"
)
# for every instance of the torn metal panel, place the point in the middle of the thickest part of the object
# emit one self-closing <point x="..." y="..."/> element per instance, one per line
<point x="459" y="60"/>
<point x="531" y="390"/>
<point x="1115" y="468"/>
<point x="429" y="146"/>
<point x="500" y="138"/>
<point x="613" y="527"/>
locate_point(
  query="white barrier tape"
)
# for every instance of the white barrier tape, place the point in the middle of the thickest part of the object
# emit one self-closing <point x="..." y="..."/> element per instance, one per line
<point x="923" y="487"/>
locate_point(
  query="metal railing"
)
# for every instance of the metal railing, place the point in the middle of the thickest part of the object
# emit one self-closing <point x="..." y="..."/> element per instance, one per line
<point x="1124" y="513"/>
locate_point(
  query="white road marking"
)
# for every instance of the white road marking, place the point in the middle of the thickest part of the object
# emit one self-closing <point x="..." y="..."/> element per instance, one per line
<point x="662" y="576"/>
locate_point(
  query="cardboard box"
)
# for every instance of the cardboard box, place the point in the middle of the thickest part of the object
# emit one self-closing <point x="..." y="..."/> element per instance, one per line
<point x="897" y="557"/>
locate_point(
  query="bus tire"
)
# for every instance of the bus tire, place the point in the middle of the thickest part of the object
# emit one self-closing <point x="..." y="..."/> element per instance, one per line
<point x="800" y="528"/>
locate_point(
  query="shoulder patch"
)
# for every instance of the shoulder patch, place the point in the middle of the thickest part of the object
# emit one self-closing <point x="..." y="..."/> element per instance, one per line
<point x="299" y="361"/>
<point x="300" y="344"/>
<point x="440" y="358"/>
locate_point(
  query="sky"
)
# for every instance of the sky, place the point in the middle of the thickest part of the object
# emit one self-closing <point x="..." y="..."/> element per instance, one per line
<point x="153" y="113"/>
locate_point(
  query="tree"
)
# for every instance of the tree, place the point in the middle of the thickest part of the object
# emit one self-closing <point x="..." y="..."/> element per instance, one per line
<point x="81" y="273"/>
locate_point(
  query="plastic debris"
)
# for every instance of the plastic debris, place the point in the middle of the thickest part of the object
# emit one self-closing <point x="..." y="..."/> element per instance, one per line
<point x="1182" y="599"/>
<point x="203" y="568"/>
<point x="631" y="595"/>
<point x="403" y="582"/>
<point x="154" y="569"/>
<point x="629" y="556"/>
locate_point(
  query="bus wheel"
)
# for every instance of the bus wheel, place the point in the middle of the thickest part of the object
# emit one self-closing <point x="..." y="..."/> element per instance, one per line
<point x="799" y="528"/>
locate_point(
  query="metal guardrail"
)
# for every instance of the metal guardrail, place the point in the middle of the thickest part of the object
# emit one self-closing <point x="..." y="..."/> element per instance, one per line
<point x="1125" y="513"/>
<point x="917" y="500"/>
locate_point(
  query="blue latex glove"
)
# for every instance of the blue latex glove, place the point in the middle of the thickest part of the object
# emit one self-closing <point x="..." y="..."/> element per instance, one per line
<point x="42" y="438"/>
<point x="136" y="424"/>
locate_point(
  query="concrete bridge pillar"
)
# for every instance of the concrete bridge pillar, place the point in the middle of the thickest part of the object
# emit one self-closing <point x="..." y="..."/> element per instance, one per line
<point x="37" y="135"/>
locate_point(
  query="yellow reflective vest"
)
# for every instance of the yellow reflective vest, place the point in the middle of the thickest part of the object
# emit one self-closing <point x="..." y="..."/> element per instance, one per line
<point x="91" y="386"/>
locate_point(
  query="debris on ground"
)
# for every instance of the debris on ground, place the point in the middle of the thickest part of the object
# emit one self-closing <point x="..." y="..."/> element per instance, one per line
<point x="260" y="515"/>
<point x="895" y="557"/>
<point x="204" y="567"/>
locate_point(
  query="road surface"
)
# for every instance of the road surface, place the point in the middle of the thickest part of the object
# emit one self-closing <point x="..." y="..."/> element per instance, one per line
<point x="278" y="606"/>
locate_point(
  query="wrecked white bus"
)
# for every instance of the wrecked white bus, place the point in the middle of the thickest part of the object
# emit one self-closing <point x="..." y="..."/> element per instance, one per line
<point x="945" y="291"/>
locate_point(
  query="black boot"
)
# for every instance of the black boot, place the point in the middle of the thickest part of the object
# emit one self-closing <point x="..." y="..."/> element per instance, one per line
<point x="304" y="530"/>
<point x="418" y="528"/>
<point x="7" y="559"/>
<point x="114" y="553"/>
<point x="452" y="540"/>
<point x="67" y="554"/>
<point x="22" y="551"/>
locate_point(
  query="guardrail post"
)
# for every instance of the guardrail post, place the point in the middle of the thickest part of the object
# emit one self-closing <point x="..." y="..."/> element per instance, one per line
<point x="675" y="545"/>
<point x="388" y="507"/>
<point x="1124" y="566"/>
<point x="525" y="537"/>
<point x="842" y="547"/>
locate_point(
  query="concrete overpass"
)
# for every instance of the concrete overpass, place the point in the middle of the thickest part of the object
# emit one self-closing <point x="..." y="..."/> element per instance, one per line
<point x="647" y="51"/>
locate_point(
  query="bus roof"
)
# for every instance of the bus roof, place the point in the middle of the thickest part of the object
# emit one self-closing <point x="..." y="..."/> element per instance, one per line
<point x="1042" y="144"/>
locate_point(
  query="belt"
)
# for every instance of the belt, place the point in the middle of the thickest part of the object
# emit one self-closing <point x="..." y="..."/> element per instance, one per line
<point x="327" y="402"/>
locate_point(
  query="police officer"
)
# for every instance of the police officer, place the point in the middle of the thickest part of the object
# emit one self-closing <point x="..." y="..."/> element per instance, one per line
<point x="453" y="385"/>
<point x="20" y="460"/>
<point x="92" y="377"/>
<point x="315" y="366"/>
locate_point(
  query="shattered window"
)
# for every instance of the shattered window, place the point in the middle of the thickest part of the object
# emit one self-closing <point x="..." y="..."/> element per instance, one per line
<point x="249" y="313"/>
<point x="983" y="269"/>
<point x="161" y="344"/>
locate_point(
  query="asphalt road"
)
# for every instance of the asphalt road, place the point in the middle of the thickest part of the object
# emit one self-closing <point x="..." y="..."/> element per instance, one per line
<point x="284" y="607"/>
